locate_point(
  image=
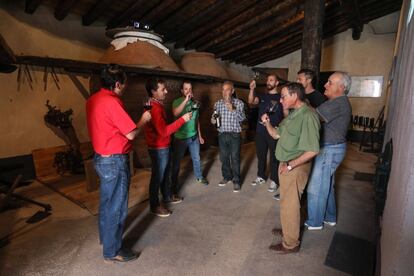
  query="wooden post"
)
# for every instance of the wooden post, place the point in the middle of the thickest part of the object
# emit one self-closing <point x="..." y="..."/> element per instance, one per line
<point x="312" y="35"/>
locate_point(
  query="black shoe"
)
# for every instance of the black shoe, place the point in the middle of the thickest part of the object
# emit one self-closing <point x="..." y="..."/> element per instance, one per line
<point x="175" y="199"/>
<point x="276" y="197"/>
<point x="236" y="188"/>
<point x="223" y="182"/>
<point x="124" y="255"/>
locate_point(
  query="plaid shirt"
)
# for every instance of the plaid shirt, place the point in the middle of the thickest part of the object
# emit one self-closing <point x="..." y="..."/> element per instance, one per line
<point x="230" y="120"/>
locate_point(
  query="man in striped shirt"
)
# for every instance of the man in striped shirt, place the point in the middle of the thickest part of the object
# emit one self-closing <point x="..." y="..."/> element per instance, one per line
<point x="229" y="112"/>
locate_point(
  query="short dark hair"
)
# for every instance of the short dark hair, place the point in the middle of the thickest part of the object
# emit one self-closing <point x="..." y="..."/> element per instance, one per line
<point x="152" y="85"/>
<point x="111" y="74"/>
<point x="273" y="74"/>
<point x="310" y="74"/>
<point x="185" y="81"/>
<point x="296" y="88"/>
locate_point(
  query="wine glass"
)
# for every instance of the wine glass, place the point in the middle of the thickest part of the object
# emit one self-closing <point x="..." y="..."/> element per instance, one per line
<point x="147" y="104"/>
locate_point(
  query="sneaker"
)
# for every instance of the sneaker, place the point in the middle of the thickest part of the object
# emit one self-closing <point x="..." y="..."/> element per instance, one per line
<point x="313" y="227"/>
<point x="329" y="223"/>
<point x="175" y="199"/>
<point x="202" y="181"/>
<point x="276" y="197"/>
<point x="258" y="181"/>
<point x="236" y="188"/>
<point x="273" y="187"/>
<point x="124" y="255"/>
<point x="223" y="182"/>
<point x="161" y="211"/>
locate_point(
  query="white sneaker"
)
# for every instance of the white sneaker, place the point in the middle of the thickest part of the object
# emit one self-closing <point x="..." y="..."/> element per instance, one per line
<point x="272" y="187"/>
<point x="259" y="181"/>
<point x="313" y="227"/>
<point x="329" y="223"/>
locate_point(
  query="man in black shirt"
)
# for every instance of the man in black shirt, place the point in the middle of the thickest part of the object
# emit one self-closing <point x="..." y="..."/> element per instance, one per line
<point x="306" y="77"/>
<point x="269" y="103"/>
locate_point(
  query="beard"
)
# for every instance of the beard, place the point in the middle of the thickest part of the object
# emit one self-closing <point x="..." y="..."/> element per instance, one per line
<point x="270" y="87"/>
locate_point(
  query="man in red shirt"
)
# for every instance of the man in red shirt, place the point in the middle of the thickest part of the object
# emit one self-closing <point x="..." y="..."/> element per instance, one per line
<point x="157" y="135"/>
<point x="111" y="131"/>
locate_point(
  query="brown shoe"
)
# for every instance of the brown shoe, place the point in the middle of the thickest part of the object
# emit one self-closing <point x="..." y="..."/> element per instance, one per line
<point x="280" y="249"/>
<point x="277" y="232"/>
<point x="161" y="211"/>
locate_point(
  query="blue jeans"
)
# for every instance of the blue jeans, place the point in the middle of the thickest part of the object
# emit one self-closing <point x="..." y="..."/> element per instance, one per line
<point x="321" y="186"/>
<point x="179" y="148"/>
<point x="229" y="147"/>
<point x="114" y="176"/>
<point x="160" y="170"/>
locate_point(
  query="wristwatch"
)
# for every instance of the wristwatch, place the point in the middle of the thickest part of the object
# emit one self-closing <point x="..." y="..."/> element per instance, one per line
<point x="289" y="167"/>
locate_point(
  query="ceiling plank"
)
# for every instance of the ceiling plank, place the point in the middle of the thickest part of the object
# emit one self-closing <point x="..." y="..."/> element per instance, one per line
<point x="330" y="29"/>
<point x="31" y="6"/>
<point x="162" y="11"/>
<point x="247" y="20"/>
<point x="137" y="10"/>
<point x="219" y="19"/>
<point x="180" y="17"/>
<point x="95" y="11"/>
<point x="252" y="39"/>
<point x="63" y="8"/>
<point x="202" y="18"/>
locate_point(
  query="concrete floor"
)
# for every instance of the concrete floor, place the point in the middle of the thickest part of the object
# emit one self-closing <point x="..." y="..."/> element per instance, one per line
<point x="213" y="232"/>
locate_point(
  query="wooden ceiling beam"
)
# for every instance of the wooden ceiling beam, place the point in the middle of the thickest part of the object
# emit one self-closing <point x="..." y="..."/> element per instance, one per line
<point x="137" y="10"/>
<point x="162" y="11"/>
<point x="63" y="8"/>
<point x="83" y="67"/>
<point x="30" y="6"/>
<point x="252" y="40"/>
<point x="232" y="23"/>
<point x="202" y="18"/>
<point x="330" y="27"/>
<point x="265" y="34"/>
<point x="235" y="8"/>
<point x="246" y="21"/>
<point x="263" y="47"/>
<point x="180" y="17"/>
<point x="352" y="10"/>
<point x="95" y="11"/>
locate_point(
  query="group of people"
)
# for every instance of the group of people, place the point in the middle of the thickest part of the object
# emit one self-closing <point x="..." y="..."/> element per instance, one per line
<point x="288" y="127"/>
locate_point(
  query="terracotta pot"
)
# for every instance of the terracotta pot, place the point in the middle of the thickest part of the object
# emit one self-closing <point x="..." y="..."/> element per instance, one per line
<point x="204" y="64"/>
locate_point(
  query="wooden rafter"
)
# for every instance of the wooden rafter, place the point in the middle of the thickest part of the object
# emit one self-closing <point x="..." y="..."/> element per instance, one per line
<point x="161" y="11"/>
<point x="137" y="10"/>
<point x="179" y="18"/>
<point x="266" y="10"/>
<point x="220" y="19"/>
<point x="95" y="11"/>
<point x="352" y="10"/>
<point x="31" y="6"/>
<point x="63" y="7"/>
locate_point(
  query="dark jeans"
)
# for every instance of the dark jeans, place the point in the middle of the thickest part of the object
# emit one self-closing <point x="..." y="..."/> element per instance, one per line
<point x="229" y="145"/>
<point x="265" y="143"/>
<point x="179" y="148"/>
<point x="114" y="176"/>
<point x="160" y="172"/>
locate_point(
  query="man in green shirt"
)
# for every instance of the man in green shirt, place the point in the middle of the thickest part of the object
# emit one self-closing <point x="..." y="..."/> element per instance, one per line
<point x="188" y="136"/>
<point x="298" y="136"/>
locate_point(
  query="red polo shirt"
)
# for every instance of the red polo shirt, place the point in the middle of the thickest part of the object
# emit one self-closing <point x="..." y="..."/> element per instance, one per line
<point x="157" y="132"/>
<point x="108" y="123"/>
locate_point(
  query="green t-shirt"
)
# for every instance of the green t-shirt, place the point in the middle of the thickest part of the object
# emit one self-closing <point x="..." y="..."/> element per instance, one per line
<point x="189" y="129"/>
<point x="299" y="132"/>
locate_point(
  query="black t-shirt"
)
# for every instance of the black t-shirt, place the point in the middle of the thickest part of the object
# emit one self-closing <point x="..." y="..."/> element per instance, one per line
<point x="315" y="98"/>
<point x="268" y="102"/>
